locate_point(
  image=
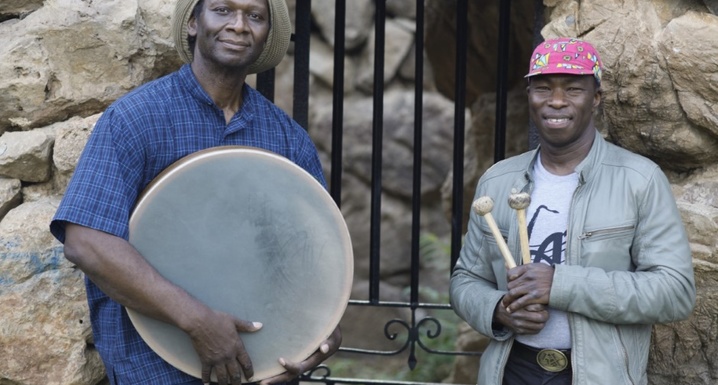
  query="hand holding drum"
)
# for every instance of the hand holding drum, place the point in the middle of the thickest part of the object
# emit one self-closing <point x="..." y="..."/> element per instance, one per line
<point x="483" y="206"/>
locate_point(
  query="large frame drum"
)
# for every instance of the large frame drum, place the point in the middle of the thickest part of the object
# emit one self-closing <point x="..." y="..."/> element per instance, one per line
<point x="250" y="233"/>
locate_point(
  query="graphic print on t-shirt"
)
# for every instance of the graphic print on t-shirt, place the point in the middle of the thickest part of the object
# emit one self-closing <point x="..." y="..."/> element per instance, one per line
<point x="551" y="247"/>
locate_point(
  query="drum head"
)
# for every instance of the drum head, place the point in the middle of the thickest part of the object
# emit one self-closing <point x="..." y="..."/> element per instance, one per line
<point x="249" y="233"/>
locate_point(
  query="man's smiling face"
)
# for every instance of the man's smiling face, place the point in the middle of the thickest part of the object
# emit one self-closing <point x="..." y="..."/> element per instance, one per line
<point x="230" y="33"/>
<point x="562" y="107"/>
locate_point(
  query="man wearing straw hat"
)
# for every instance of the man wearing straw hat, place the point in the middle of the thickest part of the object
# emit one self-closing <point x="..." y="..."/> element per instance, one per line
<point x="206" y="103"/>
<point x="608" y="255"/>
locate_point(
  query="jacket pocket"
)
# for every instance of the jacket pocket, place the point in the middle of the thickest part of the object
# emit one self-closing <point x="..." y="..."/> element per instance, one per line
<point x="608" y="247"/>
<point x="611" y="232"/>
<point x="490" y="252"/>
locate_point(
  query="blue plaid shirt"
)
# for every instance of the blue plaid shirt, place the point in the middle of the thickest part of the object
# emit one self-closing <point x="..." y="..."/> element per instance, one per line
<point x="136" y="138"/>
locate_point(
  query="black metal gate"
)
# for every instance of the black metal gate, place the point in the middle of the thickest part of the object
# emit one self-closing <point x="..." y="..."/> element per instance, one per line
<point x="413" y="327"/>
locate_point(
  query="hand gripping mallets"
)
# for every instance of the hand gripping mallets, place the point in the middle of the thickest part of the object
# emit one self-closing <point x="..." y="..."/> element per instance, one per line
<point x="519" y="202"/>
<point x="483" y="206"/>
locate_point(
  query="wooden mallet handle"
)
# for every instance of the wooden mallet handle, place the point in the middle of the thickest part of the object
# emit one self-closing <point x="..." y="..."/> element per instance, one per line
<point x="483" y="206"/>
<point x="519" y="202"/>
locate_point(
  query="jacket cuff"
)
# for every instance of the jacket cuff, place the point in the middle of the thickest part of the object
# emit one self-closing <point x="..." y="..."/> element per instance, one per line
<point x="498" y="331"/>
<point x="559" y="297"/>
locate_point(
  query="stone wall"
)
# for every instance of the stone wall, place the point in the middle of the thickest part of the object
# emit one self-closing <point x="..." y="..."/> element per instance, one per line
<point x="64" y="61"/>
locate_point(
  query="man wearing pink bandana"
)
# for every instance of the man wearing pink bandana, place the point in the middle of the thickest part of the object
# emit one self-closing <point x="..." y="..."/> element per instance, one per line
<point x="609" y="255"/>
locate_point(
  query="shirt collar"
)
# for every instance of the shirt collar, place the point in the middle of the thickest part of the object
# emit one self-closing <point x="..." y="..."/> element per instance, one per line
<point x="246" y="112"/>
<point x="191" y="84"/>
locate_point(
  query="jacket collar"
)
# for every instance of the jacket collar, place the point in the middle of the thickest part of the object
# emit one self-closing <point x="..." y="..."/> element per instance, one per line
<point x="586" y="169"/>
<point x="589" y="166"/>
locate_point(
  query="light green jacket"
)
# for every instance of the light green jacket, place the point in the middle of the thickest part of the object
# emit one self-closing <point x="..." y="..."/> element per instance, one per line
<point x="628" y="265"/>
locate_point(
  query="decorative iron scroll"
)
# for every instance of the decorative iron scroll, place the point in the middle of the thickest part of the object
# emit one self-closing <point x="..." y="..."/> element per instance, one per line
<point x="393" y="329"/>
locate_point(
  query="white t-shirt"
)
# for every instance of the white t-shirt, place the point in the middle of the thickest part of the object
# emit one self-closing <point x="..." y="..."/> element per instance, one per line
<point x="547" y="220"/>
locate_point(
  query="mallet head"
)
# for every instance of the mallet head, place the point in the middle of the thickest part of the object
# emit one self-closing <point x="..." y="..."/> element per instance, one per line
<point x="483" y="205"/>
<point x="519" y="201"/>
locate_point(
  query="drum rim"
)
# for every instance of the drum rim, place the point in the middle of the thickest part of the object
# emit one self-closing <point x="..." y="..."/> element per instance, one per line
<point x="177" y="165"/>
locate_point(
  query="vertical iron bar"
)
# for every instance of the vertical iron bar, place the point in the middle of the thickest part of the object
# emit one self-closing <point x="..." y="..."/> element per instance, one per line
<point x="265" y="83"/>
<point x="462" y="10"/>
<point x="335" y="181"/>
<point x="418" y="123"/>
<point x="416" y="180"/>
<point x="300" y="111"/>
<point x="537" y="39"/>
<point x="413" y="338"/>
<point x="502" y="80"/>
<point x="376" y="159"/>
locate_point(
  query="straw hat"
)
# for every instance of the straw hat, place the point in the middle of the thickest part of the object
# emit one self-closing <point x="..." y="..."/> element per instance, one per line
<point x="274" y="49"/>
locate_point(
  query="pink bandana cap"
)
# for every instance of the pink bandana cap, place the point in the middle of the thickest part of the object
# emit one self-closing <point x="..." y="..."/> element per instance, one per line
<point x="565" y="56"/>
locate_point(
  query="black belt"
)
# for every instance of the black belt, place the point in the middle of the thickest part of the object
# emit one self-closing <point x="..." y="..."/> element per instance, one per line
<point x="552" y="360"/>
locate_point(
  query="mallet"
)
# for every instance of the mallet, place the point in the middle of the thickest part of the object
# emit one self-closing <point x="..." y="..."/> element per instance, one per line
<point x="519" y="202"/>
<point x="483" y="206"/>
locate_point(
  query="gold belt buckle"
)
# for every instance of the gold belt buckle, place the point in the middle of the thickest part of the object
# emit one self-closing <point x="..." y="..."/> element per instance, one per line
<point x="552" y="360"/>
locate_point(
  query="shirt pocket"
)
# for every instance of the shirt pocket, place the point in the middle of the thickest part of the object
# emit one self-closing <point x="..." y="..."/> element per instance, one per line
<point x="608" y="247"/>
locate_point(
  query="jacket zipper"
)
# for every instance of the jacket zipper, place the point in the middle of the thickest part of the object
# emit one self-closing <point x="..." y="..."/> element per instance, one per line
<point x="569" y="248"/>
<point x="589" y="234"/>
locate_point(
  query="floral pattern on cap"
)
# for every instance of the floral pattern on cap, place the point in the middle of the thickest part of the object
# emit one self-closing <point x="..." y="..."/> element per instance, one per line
<point x="566" y="56"/>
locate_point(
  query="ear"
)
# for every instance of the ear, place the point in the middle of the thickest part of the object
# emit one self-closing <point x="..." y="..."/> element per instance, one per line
<point x="597" y="96"/>
<point x="192" y="26"/>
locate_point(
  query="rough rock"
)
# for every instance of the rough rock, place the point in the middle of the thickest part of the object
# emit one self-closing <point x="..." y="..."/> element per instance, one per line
<point x="679" y="350"/>
<point x="10" y="196"/>
<point x="694" y="73"/>
<point x="321" y="65"/>
<point x="73" y="57"/>
<point x="401" y="8"/>
<point x="650" y="104"/>
<point x="18" y="8"/>
<point x="398" y="43"/>
<point x="54" y="311"/>
<point x="26" y="246"/>
<point x="697" y="199"/>
<point x="71" y="137"/>
<point x="358" y="22"/>
<point x="46" y="342"/>
<point x="26" y="155"/>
